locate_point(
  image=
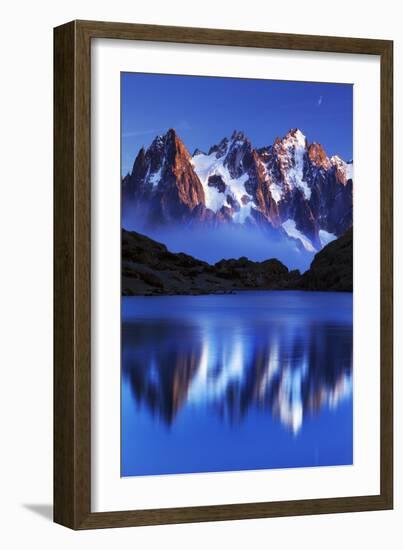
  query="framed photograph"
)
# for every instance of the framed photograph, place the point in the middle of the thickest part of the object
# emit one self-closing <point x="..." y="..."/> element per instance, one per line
<point x="223" y="275"/>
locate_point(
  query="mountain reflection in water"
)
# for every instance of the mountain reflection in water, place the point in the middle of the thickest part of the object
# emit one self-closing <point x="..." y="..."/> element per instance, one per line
<point x="284" y="355"/>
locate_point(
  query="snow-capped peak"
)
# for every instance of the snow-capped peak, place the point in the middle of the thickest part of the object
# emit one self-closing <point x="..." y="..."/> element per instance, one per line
<point x="336" y="160"/>
<point x="158" y="143"/>
<point x="295" y="138"/>
<point x="288" y="187"/>
<point x="238" y="135"/>
<point x="291" y="151"/>
<point x="344" y="170"/>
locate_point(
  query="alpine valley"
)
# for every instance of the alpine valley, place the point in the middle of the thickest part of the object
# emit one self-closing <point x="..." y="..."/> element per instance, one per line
<point x="290" y="193"/>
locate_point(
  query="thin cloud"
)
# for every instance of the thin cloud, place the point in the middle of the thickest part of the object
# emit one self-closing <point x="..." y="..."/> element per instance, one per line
<point x="184" y="125"/>
<point x="140" y="133"/>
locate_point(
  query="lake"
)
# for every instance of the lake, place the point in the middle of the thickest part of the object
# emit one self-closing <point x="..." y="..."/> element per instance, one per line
<point x="245" y="381"/>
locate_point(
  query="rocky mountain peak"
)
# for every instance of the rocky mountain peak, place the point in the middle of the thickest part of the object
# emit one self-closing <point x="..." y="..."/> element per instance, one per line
<point x="295" y="138"/>
<point x="292" y="144"/>
<point x="238" y="135"/>
<point x="161" y="142"/>
<point x="318" y="156"/>
<point x="289" y="162"/>
<point x="220" y="149"/>
<point x="171" y="134"/>
<point x="158" y="141"/>
<point x="335" y="160"/>
<point x="163" y="180"/>
<point x="290" y="187"/>
<point x="175" y="141"/>
<point x="343" y="170"/>
<point x="240" y="155"/>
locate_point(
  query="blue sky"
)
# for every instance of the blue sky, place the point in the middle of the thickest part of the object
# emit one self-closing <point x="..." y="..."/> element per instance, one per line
<point x="203" y="110"/>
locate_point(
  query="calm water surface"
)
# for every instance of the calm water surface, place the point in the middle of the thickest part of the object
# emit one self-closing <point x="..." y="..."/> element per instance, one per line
<point x="232" y="382"/>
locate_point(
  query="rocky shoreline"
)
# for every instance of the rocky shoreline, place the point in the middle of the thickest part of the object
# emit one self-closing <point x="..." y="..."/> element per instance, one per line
<point x="150" y="269"/>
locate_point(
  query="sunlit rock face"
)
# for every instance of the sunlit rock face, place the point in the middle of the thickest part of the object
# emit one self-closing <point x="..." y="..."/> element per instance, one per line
<point x="290" y="189"/>
<point x="163" y="181"/>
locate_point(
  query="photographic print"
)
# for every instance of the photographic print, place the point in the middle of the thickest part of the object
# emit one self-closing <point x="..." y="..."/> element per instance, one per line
<point x="237" y="274"/>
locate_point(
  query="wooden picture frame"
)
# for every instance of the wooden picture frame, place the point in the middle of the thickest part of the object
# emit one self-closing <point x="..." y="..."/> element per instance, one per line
<point x="72" y="269"/>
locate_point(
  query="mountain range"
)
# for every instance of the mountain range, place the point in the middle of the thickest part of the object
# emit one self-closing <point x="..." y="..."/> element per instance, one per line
<point x="290" y="190"/>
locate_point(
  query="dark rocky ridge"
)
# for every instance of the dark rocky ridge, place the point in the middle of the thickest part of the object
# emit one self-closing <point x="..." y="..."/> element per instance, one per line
<point x="332" y="267"/>
<point x="149" y="268"/>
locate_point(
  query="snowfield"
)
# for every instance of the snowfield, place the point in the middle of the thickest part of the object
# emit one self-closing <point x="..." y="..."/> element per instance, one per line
<point x="208" y="165"/>
<point x="325" y="237"/>
<point x="292" y="231"/>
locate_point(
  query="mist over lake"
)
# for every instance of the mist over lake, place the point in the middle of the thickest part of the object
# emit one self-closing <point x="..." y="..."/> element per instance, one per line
<point x="213" y="244"/>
